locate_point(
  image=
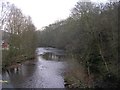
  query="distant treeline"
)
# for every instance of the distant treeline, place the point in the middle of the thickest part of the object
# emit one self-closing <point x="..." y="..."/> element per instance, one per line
<point x="91" y="33"/>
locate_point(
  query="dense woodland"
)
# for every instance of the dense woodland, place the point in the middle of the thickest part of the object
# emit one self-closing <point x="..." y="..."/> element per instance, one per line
<point x="91" y="35"/>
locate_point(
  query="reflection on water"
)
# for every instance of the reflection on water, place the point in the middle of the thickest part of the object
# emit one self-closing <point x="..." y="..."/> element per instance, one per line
<point x="38" y="73"/>
<point x="17" y="76"/>
<point x="53" y="56"/>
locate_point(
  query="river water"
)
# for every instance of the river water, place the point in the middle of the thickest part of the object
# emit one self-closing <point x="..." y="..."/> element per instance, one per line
<point x="46" y="71"/>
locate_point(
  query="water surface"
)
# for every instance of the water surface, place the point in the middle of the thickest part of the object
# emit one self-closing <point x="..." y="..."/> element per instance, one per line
<point x="44" y="72"/>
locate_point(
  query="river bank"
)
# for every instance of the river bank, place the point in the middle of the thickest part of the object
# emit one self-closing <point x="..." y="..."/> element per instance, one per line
<point x="78" y="76"/>
<point x="17" y="61"/>
<point x="75" y="77"/>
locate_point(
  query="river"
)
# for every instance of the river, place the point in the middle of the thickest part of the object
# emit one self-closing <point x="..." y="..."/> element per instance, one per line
<point x="46" y="71"/>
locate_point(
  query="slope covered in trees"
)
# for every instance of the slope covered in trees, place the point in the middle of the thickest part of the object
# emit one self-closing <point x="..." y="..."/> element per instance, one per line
<point x="90" y="34"/>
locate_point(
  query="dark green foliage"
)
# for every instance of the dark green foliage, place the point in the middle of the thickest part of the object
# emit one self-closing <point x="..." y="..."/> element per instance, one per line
<point x="109" y="80"/>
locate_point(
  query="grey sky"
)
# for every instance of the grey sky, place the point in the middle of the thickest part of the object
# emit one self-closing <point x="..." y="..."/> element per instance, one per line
<point x="45" y="12"/>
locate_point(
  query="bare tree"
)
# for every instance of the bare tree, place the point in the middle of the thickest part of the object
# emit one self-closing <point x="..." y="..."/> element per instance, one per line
<point x="4" y="11"/>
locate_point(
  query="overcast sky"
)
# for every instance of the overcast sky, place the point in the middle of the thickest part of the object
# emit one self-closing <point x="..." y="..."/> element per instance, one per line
<point x="45" y="12"/>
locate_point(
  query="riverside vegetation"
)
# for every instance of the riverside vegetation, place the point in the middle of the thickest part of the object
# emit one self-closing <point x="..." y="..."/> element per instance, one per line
<point x="19" y="33"/>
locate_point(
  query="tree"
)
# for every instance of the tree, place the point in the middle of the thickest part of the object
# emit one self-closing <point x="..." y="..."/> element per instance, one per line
<point x="91" y="34"/>
<point x="22" y="38"/>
